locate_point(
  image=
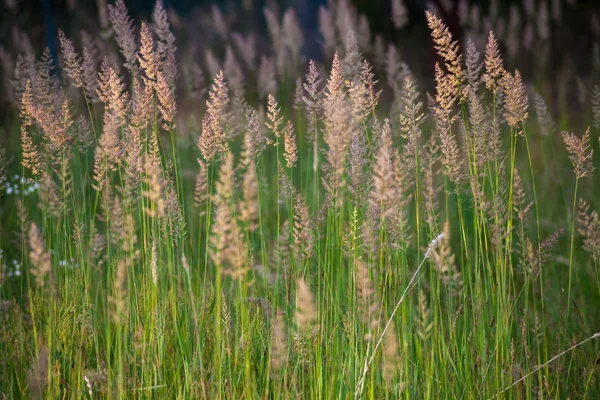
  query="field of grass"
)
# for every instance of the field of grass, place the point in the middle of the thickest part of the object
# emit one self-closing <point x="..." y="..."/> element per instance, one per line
<point x="334" y="237"/>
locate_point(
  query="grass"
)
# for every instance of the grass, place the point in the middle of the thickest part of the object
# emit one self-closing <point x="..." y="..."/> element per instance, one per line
<point x="416" y="261"/>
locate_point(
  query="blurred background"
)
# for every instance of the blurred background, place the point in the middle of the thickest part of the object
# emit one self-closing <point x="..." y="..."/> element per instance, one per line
<point x="554" y="43"/>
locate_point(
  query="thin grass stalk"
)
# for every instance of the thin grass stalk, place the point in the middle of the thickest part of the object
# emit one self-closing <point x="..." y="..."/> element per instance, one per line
<point x="572" y="244"/>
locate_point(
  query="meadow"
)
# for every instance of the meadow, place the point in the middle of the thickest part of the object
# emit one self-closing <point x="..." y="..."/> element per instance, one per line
<point x="261" y="225"/>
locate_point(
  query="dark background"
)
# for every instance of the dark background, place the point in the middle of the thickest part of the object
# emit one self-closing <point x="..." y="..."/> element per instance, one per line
<point x="571" y="41"/>
<point x="42" y="17"/>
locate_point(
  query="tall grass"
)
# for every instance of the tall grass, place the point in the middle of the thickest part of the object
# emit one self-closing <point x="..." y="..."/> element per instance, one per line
<point x="414" y="256"/>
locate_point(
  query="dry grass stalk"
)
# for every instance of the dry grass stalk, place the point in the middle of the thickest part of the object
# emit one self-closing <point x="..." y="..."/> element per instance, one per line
<point x="480" y="130"/>
<point x="31" y="157"/>
<point x="474" y="66"/>
<point x="125" y="34"/>
<point x="89" y="75"/>
<point x="313" y="97"/>
<point x="274" y="117"/>
<point x="292" y="38"/>
<point x="290" y="149"/>
<point x="44" y="81"/>
<point x="4" y="160"/>
<point x="544" y="117"/>
<point x="383" y="193"/>
<point x="396" y="69"/>
<point x="411" y="119"/>
<point x="303" y="232"/>
<point x="155" y="188"/>
<point x="49" y="196"/>
<point x="400" y="225"/>
<point x="212" y="64"/>
<point x="590" y="229"/>
<point x="246" y="47"/>
<point x="337" y="131"/>
<point x="520" y="207"/>
<point x="306" y="315"/>
<point x="107" y="155"/>
<point x="313" y="104"/>
<point x="119" y="297"/>
<point x="249" y="205"/>
<point x="327" y="30"/>
<point x="201" y="192"/>
<point x="85" y="136"/>
<point x="142" y="110"/>
<point x="494" y="69"/>
<point x="111" y="92"/>
<point x="208" y="143"/>
<point x="431" y="191"/>
<point x="392" y="362"/>
<point x="280" y="260"/>
<point x="367" y="301"/>
<point x="516" y="101"/>
<point x="38" y="376"/>
<point x="279" y="346"/>
<point x="298" y="94"/>
<point x="580" y="153"/>
<point x="424" y="321"/>
<point x="214" y="126"/>
<point x="147" y="57"/>
<point x="445" y="95"/>
<point x="228" y="248"/>
<point x="255" y="140"/>
<point x="234" y="73"/>
<point x="351" y="65"/>
<point x="154" y="261"/>
<point x="134" y="163"/>
<point x="197" y="83"/>
<point x="219" y="23"/>
<point x="72" y="60"/>
<point x="363" y="96"/>
<point x="267" y="77"/>
<point x="596" y="106"/>
<point x="24" y="71"/>
<point x="360" y="175"/>
<point x="166" y="102"/>
<point x="39" y="256"/>
<point x="445" y="264"/>
<point x="448" y="51"/>
<point x="166" y="48"/>
<point x="399" y="14"/>
<point x="452" y="157"/>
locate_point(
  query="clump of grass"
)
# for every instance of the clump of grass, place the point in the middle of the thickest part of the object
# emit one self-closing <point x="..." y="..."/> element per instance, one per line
<point x="365" y="249"/>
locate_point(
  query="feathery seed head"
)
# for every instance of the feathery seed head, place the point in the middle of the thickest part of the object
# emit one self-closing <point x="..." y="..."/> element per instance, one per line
<point x="290" y="148"/>
<point x="448" y="50"/>
<point x="306" y="314"/>
<point x="275" y="119"/>
<point x="580" y="153"/>
<point x="72" y="60"/>
<point x="125" y="34"/>
<point x="494" y="70"/>
<point x="516" y="101"/>
<point x="166" y="101"/>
